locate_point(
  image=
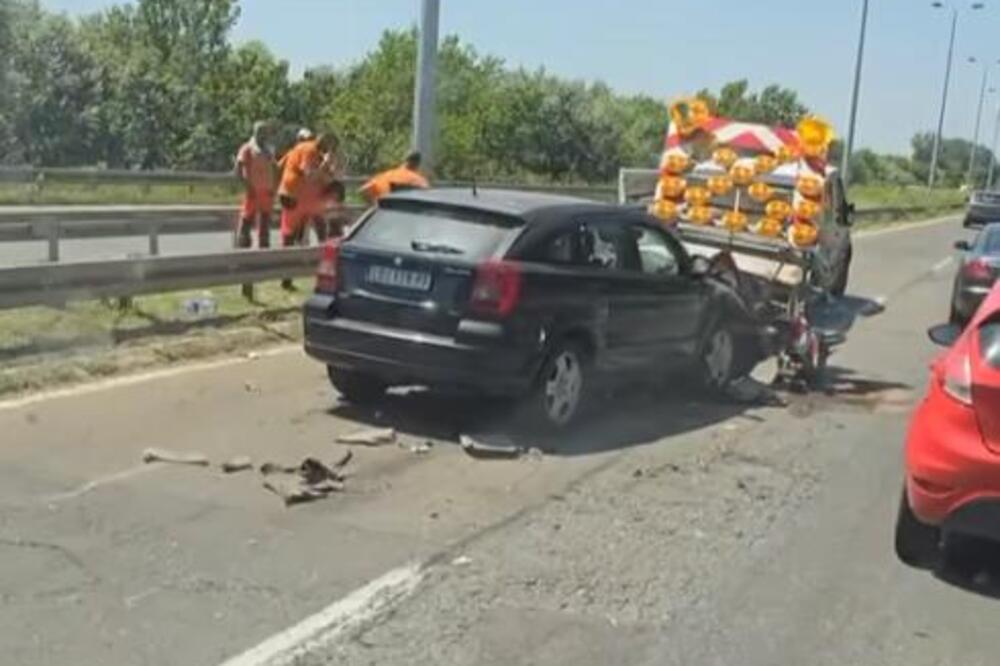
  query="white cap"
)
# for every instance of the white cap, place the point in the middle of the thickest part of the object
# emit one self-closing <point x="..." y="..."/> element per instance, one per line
<point x="304" y="134"/>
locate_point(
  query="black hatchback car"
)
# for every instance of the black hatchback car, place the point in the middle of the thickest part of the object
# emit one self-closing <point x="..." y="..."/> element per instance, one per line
<point x="519" y="294"/>
<point x="979" y="269"/>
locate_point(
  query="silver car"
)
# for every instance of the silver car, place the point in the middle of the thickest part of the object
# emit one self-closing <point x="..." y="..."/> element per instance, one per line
<point x="984" y="208"/>
<point x="979" y="270"/>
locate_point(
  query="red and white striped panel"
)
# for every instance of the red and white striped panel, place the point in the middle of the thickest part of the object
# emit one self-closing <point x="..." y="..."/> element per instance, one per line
<point x="742" y="137"/>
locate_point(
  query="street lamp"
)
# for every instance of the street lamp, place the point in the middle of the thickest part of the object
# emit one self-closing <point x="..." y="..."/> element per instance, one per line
<point x="947" y="79"/>
<point x="424" y="98"/>
<point x="979" y="117"/>
<point x="845" y="166"/>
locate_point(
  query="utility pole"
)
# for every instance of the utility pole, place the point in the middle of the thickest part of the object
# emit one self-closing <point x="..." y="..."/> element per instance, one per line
<point x="944" y="100"/>
<point x="425" y="95"/>
<point x="845" y="166"/>
<point x="993" y="157"/>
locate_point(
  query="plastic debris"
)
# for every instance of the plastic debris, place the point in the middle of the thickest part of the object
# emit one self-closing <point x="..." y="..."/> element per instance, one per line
<point x="491" y="446"/>
<point x="269" y="468"/>
<point x="201" y="306"/>
<point x="369" y="437"/>
<point x="420" y="449"/>
<point x="250" y="387"/>
<point x="462" y="561"/>
<point x="174" y="457"/>
<point x="237" y="464"/>
<point x="298" y="492"/>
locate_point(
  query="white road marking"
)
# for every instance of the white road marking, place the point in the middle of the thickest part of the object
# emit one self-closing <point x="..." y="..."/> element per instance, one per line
<point x="322" y="629"/>
<point x="131" y="380"/>
<point x="941" y="265"/>
<point x="101" y="481"/>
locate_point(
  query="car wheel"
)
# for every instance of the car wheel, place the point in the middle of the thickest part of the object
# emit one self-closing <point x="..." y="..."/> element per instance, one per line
<point x="718" y="358"/>
<point x="839" y="287"/>
<point x="562" y="387"/>
<point x="917" y="544"/>
<point x="356" y="387"/>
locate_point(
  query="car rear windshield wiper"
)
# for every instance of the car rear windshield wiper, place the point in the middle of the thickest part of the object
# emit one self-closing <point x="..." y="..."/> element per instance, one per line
<point x="435" y="248"/>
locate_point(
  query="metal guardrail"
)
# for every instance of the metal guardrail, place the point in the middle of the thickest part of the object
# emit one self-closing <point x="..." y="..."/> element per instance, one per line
<point x="55" y="223"/>
<point x="58" y="284"/>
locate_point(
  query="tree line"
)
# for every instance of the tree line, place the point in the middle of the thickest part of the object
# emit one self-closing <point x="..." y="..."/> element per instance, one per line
<point x="158" y="84"/>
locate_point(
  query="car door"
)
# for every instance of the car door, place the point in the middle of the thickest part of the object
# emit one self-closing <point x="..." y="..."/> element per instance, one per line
<point x="674" y="301"/>
<point x="833" y="233"/>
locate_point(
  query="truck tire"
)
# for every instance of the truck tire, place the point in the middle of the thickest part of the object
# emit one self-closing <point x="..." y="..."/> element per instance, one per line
<point x="917" y="544"/>
<point x="356" y="387"/>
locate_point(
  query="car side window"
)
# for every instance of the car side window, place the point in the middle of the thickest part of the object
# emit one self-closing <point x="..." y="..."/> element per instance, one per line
<point x="656" y="255"/>
<point x="603" y="246"/>
<point x="561" y="249"/>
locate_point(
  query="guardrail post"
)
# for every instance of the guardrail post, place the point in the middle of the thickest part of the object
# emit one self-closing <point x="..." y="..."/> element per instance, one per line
<point x="52" y="234"/>
<point x="154" y="239"/>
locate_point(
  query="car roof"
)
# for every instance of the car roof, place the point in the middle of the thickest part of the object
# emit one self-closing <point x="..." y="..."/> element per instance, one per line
<point x="532" y="207"/>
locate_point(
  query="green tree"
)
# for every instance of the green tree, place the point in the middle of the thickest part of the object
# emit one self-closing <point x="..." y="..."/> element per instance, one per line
<point x="773" y="105"/>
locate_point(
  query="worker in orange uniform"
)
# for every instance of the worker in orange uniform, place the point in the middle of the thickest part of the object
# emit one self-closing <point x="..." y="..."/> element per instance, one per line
<point x="406" y="176"/>
<point x="255" y="167"/>
<point x="308" y="186"/>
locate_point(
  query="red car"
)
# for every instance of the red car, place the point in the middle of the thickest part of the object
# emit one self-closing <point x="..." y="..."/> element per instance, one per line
<point x="953" y="447"/>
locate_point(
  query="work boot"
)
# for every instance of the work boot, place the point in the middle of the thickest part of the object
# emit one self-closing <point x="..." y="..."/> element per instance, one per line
<point x="264" y="234"/>
<point x="243" y="240"/>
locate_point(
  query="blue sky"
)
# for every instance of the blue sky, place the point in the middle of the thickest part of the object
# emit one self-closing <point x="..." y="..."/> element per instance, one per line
<point x="669" y="47"/>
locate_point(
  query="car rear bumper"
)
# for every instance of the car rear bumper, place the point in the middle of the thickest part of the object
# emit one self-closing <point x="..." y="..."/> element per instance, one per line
<point x="950" y="473"/>
<point x="968" y="298"/>
<point x="483" y="358"/>
<point x="979" y="216"/>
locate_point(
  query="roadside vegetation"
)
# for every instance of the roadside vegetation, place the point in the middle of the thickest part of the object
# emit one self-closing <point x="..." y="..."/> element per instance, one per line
<point x="158" y="84"/>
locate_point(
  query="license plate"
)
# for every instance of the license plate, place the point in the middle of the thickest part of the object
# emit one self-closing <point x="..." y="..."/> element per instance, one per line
<point x="399" y="278"/>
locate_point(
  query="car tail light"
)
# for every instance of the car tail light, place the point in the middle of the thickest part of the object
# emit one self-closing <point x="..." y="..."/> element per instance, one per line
<point x="956" y="377"/>
<point x="497" y="288"/>
<point x="327" y="273"/>
<point x="978" y="270"/>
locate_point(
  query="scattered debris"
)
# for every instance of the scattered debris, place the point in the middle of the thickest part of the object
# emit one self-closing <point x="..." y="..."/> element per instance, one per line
<point x="498" y="446"/>
<point x="237" y="464"/>
<point x="165" y="456"/>
<point x="250" y="387"/>
<point x="421" y="449"/>
<point x="314" y="472"/>
<point x="298" y="492"/>
<point x="269" y="468"/>
<point x="344" y="459"/>
<point x="749" y="391"/>
<point x="369" y="437"/>
<point x="535" y="453"/>
<point x="462" y="561"/>
<point x="252" y="356"/>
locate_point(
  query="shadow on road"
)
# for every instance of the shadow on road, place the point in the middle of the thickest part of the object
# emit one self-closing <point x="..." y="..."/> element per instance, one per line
<point x="972" y="565"/>
<point x="620" y="420"/>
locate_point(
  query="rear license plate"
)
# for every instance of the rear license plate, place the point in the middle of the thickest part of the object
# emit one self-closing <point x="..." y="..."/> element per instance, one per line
<point x="399" y="278"/>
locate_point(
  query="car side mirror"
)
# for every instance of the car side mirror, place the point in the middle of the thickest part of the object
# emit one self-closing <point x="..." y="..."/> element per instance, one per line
<point x="962" y="246"/>
<point x="944" y="335"/>
<point x="700" y="266"/>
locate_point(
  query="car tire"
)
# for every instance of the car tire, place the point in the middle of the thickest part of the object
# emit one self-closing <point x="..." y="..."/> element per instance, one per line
<point x="560" y="394"/>
<point x="839" y="287"/>
<point x="356" y="387"/>
<point x="718" y="357"/>
<point x="917" y="544"/>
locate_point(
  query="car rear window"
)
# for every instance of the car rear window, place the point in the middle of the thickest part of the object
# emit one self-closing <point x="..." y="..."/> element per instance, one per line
<point x="991" y="240"/>
<point x="989" y="343"/>
<point x="462" y="234"/>
<point x="986" y="198"/>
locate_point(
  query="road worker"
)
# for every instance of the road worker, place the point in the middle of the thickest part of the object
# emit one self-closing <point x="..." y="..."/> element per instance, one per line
<point x="406" y="176"/>
<point x="309" y="186"/>
<point x="255" y="167"/>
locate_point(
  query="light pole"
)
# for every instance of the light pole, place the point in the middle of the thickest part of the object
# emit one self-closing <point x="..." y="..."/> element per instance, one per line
<point x="979" y="118"/>
<point x="993" y="156"/>
<point x="424" y="98"/>
<point x="845" y="166"/>
<point x="944" y="91"/>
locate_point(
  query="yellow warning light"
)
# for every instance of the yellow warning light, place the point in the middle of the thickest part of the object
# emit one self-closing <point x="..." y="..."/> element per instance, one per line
<point x="700" y="214"/>
<point x="785" y="154"/>
<point x="765" y="164"/>
<point x="735" y="220"/>
<point x="719" y="185"/>
<point x="807" y="209"/>
<point x="689" y="114"/>
<point x="815" y="135"/>
<point x="698" y="196"/>
<point x="676" y="162"/>
<point x="803" y="234"/>
<point x="664" y="209"/>
<point x="725" y="156"/>
<point x="779" y="209"/>
<point x="742" y="174"/>
<point x="770" y="227"/>
<point x="761" y="191"/>
<point x="672" y="186"/>
<point x="810" y="186"/>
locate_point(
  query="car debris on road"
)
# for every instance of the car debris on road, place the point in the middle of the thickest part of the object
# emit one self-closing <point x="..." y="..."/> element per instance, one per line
<point x="494" y="446"/>
<point x="153" y="455"/>
<point x="369" y="437"/>
<point x="237" y="464"/>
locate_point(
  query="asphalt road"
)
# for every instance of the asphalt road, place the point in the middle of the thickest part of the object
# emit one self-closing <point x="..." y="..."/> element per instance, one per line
<point x="667" y="531"/>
